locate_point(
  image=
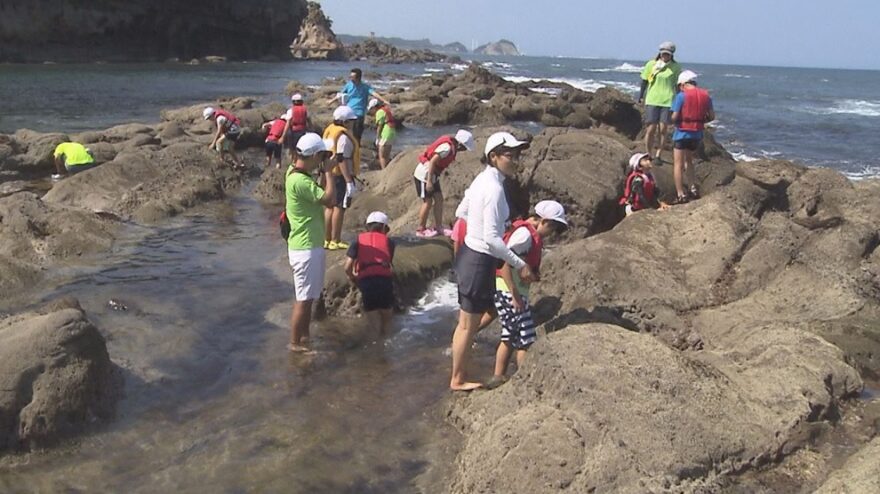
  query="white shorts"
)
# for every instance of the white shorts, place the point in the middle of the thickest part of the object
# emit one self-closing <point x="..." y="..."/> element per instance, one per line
<point x="308" y="272"/>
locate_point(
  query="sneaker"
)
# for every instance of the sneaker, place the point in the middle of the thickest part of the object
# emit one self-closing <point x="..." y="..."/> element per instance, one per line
<point x="447" y="232"/>
<point x="426" y="233"/>
<point x="342" y="245"/>
<point x="57" y="176"/>
<point x="680" y="200"/>
<point x="332" y="245"/>
<point x="327" y="244"/>
<point x="693" y="193"/>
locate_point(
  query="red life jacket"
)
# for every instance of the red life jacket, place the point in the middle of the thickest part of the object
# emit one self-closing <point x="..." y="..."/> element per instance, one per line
<point x="694" y="109"/>
<point x="299" y="118"/>
<point x="648" y="187"/>
<point x="389" y="118"/>
<point x="533" y="258"/>
<point x="374" y="255"/>
<point x="232" y="119"/>
<point x="276" y="130"/>
<point x="425" y="157"/>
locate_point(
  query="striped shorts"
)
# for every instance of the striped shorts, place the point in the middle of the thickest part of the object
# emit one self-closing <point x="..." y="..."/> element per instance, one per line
<point x="517" y="328"/>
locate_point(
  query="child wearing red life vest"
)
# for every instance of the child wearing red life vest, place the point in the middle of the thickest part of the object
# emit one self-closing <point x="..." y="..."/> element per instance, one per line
<point x="274" y="129"/>
<point x="368" y="265"/>
<point x="641" y="189"/>
<point x="526" y="239"/>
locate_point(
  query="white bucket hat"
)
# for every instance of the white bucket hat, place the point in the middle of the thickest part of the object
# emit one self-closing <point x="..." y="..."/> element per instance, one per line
<point x="667" y="47"/>
<point x="344" y="113"/>
<point x="551" y="210"/>
<point x="378" y="217"/>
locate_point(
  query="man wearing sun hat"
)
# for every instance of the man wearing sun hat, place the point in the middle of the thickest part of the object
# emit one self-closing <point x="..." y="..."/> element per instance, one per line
<point x="304" y="207"/>
<point x="691" y="110"/>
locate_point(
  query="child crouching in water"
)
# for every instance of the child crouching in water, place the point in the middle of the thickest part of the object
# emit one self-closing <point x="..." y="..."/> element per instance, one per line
<point x="641" y="189"/>
<point x="526" y="239"/>
<point x="368" y="265"/>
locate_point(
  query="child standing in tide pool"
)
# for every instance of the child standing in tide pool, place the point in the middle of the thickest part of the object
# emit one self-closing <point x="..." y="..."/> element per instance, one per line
<point x="526" y="239"/>
<point x="368" y="265"/>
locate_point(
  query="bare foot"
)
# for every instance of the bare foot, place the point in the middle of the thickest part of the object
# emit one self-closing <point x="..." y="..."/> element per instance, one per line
<point x="298" y="348"/>
<point x="465" y="386"/>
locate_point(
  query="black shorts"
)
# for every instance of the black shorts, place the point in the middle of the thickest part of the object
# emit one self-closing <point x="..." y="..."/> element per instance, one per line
<point x="688" y="144"/>
<point x="339" y="181"/>
<point x="377" y="292"/>
<point x="422" y="192"/>
<point x="358" y="128"/>
<point x="273" y="148"/>
<point x="476" y="280"/>
<point x="232" y="136"/>
<point x="292" y="137"/>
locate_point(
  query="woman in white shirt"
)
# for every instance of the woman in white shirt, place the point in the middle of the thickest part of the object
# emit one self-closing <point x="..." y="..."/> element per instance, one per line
<point x="484" y="249"/>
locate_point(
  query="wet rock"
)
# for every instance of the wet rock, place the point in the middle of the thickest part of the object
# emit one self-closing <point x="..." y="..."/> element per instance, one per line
<point x="860" y="474"/>
<point x="56" y="378"/>
<point x="599" y="408"/>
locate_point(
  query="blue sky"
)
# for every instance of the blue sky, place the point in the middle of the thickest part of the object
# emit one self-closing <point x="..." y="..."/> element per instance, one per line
<point x="806" y="33"/>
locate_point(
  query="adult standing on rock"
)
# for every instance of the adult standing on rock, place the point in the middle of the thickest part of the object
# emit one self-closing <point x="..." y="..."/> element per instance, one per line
<point x="347" y="153"/>
<point x="304" y="206"/>
<point x="355" y="94"/>
<point x="297" y="123"/>
<point x="483" y="249"/>
<point x="228" y="131"/>
<point x="71" y="157"/>
<point x="659" y="79"/>
<point x="432" y="162"/>
<point x="691" y="110"/>
<point x="386" y="130"/>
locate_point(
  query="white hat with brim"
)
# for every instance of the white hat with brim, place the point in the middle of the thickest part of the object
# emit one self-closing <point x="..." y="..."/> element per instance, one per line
<point x="311" y="144"/>
<point x="635" y="159"/>
<point x="505" y="140"/>
<point x="378" y="217"/>
<point x="372" y="104"/>
<point x="667" y="47"/>
<point x="551" y="210"/>
<point x="343" y="113"/>
<point x="296" y="97"/>
<point x="207" y="112"/>
<point x="466" y="139"/>
<point x="687" y="76"/>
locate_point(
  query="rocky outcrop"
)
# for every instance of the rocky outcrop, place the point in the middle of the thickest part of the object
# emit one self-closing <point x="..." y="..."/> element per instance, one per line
<point x="860" y="474"/>
<point x="378" y="52"/>
<point x="315" y="40"/>
<point x="56" y="378"/>
<point x="138" y="30"/>
<point x="500" y="47"/>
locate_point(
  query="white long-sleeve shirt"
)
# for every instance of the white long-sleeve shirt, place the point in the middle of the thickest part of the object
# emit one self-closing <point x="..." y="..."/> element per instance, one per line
<point x="462" y="210"/>
<point x="487" y="212"/>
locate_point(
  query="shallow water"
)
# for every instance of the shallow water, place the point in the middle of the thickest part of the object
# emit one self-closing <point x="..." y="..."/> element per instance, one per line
<point x="214" y="402"/>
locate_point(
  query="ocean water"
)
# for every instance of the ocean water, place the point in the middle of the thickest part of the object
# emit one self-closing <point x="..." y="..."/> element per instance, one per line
<point x="820" y="117"/>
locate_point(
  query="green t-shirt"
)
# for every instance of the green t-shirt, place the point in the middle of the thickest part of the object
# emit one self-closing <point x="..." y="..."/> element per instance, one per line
<point x="388" y="132"/>
<point x="304" y="211"/>
<point x="661" y="86"/>
<point x="74" y="154"/>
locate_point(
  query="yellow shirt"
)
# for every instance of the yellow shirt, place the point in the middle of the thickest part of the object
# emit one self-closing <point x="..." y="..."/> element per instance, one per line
<point x="74" y="154"/>
<point x="333" y="131"/>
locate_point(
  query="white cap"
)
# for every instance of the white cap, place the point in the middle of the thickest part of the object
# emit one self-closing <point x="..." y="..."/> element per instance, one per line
<point x="296" y="97"/>
<point x="207" y="112"/>
<point x="286" y="115"/>
<point x="687" y="76"/>
<point x="310" y="144"/>
<point x="344" y="113"/>
<point x="372" y="104"/>
<point x="378" y="217"/>
<point x="667" y="47"/>
<point x="636" y="158"/>
<point x="551" y="210"/>
<point x="466" y="139"/>
<point x="504" y="139"/>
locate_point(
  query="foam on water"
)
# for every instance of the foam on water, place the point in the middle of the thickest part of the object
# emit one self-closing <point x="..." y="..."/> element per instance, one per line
<point x="738" y="76"/>
<point x="624" y="67"/>
<point x="439" y="302"/>
<point x="866" y="172"/>
<point x="458" y="66"/>
<point x="589" y="85"/>
<point x="858" y="107"/>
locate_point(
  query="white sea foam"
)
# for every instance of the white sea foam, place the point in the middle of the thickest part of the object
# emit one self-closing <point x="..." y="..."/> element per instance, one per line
<point x="845" y="107"/>
<point x="743" y="157"/>
<point x="500" y="65"/>
<point x="738" y="76"/>
<point x="866" y="172"/>
<point x="624" y="67"/>
<point x="589" y="85"/>
<point x="555" y="65"/>
<point x="458" y="66"/>
<point x="762" y="154"/>
<point x="432" y="69"/>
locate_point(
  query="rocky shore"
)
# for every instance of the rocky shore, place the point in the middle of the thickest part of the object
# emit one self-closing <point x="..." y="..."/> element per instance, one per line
<point x="681" y="349"/>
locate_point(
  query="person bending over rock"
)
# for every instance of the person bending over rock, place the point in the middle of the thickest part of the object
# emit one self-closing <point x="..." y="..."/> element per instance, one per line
<point x="304" y="204"/>
<point x="228" y="132"/>
<point x="426" y="176"/>
<point x="386" y="130"/>
<point x="483" y="248"/>
<point x="275" y="131"/>
<point x="525" y="239"/>
<point x="298" y="123"/>
<point x="71" y="157"/>
<point x="691" y="110"/>
<point x="368" y="265"/>
<point x="658" y="87"/>
<point x="355" y="94"/>
<point x="640" y="190"/>
<point x="347" y="153"/>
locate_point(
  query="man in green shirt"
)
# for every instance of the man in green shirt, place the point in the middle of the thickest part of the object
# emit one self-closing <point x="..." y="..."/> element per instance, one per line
<point x="304" y="206"/>
<point x="659" y="85"/>
<point x="71" y="157"/>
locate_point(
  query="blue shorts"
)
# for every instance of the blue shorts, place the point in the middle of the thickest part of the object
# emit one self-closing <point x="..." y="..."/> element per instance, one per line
<point x="688" y="144"/>
<point x="517" y="328"/>
<point x="377" y="292"/>
<point x="657" y="114"/>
